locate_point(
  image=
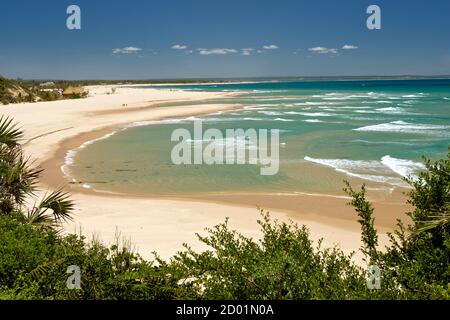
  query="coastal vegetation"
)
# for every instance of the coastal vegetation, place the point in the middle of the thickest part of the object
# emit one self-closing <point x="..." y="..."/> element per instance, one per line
<point x="20" y="90"/>
<point x="11" y="92"/>
<point x="284" y="264"/>
<point x="17" y="91"/>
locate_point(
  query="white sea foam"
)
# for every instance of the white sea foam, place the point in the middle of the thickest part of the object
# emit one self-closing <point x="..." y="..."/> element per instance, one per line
<point x="106" y="136"/>
<point x="343" y="96"/>
<point x="410" y="102"/>
<point x="221" y="119"/>
<point x="351" y="117"/>
<point x="251" y="119"/>
<point x="365" y="111"/>
<point x="364" y="169"/>
<point x="68" y="159"/>
<point x="310" y="114"/>
<point x="383" y="102"/>
<point x="419" y="95"/>
<point x="274" y="99"/>
<point x="150" y="122"/>
<point x="402" y="167"/>
<point x="309" y="103"/>
<point x="271" y="113"/>
<point x="390" y="110"/>
<point x="338" y="98"/>
<point x="240" y="141"/>
<point x="355" y="107"/>
<point x="405" y="127"/>
<point x="384" y="142"/>
<point x="321" y="103"/>
<point x="294" y="112"/>
<point x="330" y="109"/>
<point x="229" y="145"/>
<point x="70" y="155"/>
<point x="313" y="120"/>
<point x="389" y="170"/>
<point x="331" y="94"/>
<point x="269" y="91"/>
<point x="283" y="119"/>
<point x="236" y="119"/>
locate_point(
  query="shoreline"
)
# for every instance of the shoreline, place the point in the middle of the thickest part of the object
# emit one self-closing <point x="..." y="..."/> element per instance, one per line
<point x="164" y="223"/>
<point x="54" y="178"/>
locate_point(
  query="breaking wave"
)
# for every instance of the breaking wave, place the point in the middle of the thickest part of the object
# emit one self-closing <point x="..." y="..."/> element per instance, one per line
<point x="388" y="170"/>
<point x="406" y="127"/>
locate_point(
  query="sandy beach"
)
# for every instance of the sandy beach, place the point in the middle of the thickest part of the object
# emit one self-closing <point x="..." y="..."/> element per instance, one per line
<point x="164" y="224"/>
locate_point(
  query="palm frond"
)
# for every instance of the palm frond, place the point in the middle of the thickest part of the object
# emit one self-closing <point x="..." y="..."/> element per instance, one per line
<point x="54" y="209"/>
<point x="38" y="218"/>
<point x="436" y="221"/>
<point x="39" y="272"/>
<point x="18" y="176"/>
<point x="9" y="133"/>
<point x="60" y="204"/>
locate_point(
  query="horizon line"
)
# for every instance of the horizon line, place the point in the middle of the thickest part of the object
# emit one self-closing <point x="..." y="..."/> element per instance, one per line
<point x="361" y="77"/>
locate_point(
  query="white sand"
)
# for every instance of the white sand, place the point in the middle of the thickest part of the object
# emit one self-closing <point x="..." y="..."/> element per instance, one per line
<point x="164" y="225"/>
<point x="151" y="224"/>
<point x="49" y="123"/>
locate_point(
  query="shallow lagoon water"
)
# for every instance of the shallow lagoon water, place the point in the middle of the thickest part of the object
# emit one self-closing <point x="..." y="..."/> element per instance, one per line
<point x="372" y="131"/>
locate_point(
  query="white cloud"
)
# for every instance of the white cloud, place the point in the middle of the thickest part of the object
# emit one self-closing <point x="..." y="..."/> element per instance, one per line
<point x="247" y="51"/>
<point x="217" y="51"/>
<point x="242" y="51"/>
<point x="323" y="50"/>
<point x="179" y="47"/>
<point x="349" y="47"/>
<point x="126" y="50"/>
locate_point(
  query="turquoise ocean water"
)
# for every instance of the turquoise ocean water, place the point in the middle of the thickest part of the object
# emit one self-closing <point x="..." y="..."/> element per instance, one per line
<point x="368" y="131"/>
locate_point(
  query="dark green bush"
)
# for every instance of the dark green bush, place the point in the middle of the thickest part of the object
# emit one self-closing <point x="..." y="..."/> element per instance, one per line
<point x="284" y="264"/>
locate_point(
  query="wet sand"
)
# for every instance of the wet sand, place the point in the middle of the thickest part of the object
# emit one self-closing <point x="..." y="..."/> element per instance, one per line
<point x="162" y="224"/>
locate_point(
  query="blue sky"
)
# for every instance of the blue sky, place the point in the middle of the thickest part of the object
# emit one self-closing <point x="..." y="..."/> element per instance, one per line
<point x="133" y="39"/>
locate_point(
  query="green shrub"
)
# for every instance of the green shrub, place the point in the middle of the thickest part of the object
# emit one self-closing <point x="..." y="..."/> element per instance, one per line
<point x="284" y="264"/>
<point x="22" y="249"/>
